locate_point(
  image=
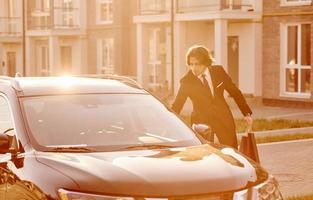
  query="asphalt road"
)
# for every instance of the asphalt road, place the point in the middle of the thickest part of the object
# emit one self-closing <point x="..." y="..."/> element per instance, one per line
<point x="292" y="165"/>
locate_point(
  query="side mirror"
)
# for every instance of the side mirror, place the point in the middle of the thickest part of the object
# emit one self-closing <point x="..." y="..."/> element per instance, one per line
<point x="205" y="131"/>
<point x="200" y="128"/>
<point x="4" y="143"/>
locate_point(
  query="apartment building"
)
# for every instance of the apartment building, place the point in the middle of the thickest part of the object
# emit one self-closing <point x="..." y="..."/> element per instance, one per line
<point x="288" y="52"/>
<point x="67" y="37"/>
<point x="230" y="28"/>
<point x="56" y="38"/>
<point x="111" y="37"/>
<point x="10" y="37"/>
<point x="133" y="38"/>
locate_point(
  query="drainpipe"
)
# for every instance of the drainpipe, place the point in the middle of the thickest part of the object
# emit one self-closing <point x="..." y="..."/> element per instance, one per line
<point x="23" y="35"/>
<point x="172" y="47"/>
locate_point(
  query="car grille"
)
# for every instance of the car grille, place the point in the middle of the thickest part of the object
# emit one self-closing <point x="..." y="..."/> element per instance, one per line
<point x="206" y="197"/>
<point x="226" y="196"/>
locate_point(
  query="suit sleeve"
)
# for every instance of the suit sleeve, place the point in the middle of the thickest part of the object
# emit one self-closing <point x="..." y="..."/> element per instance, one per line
<point x="180" y="99"/>
<point x="234" y="91"/>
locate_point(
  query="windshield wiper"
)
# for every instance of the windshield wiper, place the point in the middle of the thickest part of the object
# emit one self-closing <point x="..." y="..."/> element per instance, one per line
<point x="146" y="146"/>
<point x="71" y="149"/>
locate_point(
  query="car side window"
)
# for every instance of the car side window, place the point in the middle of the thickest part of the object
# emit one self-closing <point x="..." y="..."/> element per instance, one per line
<point x="6" y="121"/>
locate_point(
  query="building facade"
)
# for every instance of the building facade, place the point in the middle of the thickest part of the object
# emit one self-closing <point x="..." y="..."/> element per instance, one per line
<point x="55" y="37"/>
<point x="67" y="37"/>
<point x="230" y="28"/>
<point x="135" y="38"/>
<point x="111" y="37"/>
<point x="11" y="55"/>
<point x="287" y="52"/>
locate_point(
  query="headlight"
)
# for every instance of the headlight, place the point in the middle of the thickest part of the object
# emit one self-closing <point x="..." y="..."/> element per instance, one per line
<point x="268" y="190"/>
<point x="264" y="191"/>
<point x="70" y="195"/>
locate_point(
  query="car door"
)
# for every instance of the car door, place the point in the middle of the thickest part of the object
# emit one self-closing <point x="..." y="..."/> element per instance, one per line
<point x="11" y="186"/>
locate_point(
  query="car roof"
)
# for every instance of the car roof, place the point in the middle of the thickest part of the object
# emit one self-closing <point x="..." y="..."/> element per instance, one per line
<point x="35" y="86"/>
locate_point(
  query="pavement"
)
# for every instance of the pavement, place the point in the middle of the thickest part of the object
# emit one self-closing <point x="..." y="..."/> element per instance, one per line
<point x="268" y="112"/>
<point x="291" y="164"/>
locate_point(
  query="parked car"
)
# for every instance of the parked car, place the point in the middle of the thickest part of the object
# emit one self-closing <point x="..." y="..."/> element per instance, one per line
<point x="107" y="138"/>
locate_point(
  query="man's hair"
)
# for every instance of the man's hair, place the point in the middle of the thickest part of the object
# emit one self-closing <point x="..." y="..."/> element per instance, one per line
<point x="201" y="53"/>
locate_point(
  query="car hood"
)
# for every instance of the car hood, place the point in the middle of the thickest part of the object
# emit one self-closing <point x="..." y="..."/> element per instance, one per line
<point x="168" y="172"/>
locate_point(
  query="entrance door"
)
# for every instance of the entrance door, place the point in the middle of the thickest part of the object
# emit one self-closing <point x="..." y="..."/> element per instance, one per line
<point x="66" y="59"/>
<point x="233" y="58"/>
<point x="11" y="60"/>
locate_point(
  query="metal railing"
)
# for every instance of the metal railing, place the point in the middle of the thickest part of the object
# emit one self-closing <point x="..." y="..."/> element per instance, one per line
<point x="55" y="18"/>
<point x="188" y="6"/>
<point x="154" y="7"/>
<point x="10" y="26"/>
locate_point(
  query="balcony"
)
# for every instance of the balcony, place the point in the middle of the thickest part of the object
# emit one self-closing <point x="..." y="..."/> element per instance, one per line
<point x="190" y="6"/>
<point x="63" y="17"/>
<point x="10" y="26"/>
<point x="154" y="7"/>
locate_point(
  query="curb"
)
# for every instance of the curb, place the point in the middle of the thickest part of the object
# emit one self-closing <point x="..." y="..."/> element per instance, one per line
<point x="279" y="132"/>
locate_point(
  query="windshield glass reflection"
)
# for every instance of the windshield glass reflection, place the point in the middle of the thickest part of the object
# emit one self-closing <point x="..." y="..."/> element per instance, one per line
<point x="104" y="120"/>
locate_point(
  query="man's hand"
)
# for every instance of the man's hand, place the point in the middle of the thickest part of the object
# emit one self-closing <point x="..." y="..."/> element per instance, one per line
<point x="249" y="121"/>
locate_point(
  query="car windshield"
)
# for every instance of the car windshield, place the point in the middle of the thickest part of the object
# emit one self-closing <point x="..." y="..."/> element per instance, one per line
<point x="104" y="122"/>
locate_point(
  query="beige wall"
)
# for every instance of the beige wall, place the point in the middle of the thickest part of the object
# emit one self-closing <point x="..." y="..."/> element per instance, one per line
<point x="200" y="33"/>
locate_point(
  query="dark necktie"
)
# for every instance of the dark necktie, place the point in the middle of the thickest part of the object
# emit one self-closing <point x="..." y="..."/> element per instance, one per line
<point x="206" y="84"/>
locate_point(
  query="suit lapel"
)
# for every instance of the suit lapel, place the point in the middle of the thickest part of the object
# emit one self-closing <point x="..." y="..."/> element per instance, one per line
<point x="199" y="85"/>
<point x="215" y="79"/>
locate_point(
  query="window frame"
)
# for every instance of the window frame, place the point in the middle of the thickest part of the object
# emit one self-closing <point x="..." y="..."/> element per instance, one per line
<point x="42" y="5"/>
<point x="44" y="63"/>
<point x="100" y="21"/>
<point x="283" y="61"/>
<point x="67" y="14"/>
<point x="2" y="95"/>
<point x="109" y="44"/>
<point x="296" y="3"/>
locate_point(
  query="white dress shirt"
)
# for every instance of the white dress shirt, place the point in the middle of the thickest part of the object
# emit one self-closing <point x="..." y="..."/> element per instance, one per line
<point x="208" y="78"/>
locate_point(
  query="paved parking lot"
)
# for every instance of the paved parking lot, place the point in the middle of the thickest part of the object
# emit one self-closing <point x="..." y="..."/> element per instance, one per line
<point x="292" y="165"/>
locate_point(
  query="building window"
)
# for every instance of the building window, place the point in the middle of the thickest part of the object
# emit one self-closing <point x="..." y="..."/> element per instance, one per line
<point x="104" y="10"/>
<point x="66" y="13"/>
<point x="296" y="65"/>
<point x="105" y="56"/>
<point x="10" y="17"/>
<point x="42" y="5"/>
<point x="295" y="2"/>
<point x="42" y="59"/>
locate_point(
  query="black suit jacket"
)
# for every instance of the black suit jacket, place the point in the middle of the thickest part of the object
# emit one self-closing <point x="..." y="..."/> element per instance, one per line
<point x="213" y="111"/>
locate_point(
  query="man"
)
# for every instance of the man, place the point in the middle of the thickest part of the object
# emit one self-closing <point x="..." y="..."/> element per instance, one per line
<point x="205" y="84"/>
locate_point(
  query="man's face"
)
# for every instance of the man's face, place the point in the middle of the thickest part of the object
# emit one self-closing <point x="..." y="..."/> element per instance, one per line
<point x="196" y="67"/>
